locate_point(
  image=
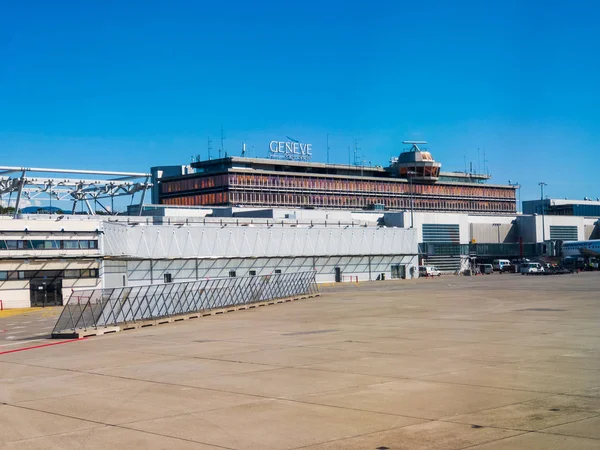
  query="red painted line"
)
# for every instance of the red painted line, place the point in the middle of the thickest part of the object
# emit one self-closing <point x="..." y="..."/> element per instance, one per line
<point x="41" y="346"/>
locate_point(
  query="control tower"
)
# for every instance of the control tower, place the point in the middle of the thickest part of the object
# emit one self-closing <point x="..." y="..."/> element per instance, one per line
<point x="418" y="164"/>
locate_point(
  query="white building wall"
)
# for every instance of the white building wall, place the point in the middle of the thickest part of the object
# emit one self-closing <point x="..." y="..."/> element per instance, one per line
<point x="143" y="254"/>
<point x="159" y="242"/>
<point x="403" y="219"/>
<point x="353" y="268"/>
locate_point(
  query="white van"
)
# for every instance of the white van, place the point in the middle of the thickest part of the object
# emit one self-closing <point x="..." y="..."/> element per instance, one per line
<point x="429" y="271"/>
<point x="531" y="267"/>
<point x="500" y="263"/>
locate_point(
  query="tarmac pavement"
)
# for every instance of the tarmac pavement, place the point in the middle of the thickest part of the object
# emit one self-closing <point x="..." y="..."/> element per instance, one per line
<point x="24" y="327"/>
<point x="487" y="362"/>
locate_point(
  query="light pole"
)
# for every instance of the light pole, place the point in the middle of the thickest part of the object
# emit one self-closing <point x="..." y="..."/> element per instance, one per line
<point x="542" y="184"/>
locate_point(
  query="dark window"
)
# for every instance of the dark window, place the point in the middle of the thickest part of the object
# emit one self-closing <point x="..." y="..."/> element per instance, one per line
<point x="252" y="273"/>
<point x="277" y="270"/>
<point x="3" y="275"/>
<point x="72" y="273"/>
<point x="15" y="245"/>
<point x="36" y="245"/>
<point x="70" y="244"/>
<point x="232" y="273"/>
<point x="168" y="278"/>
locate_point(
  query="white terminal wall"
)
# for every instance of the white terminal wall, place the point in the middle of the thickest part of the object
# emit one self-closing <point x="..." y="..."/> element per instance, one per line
<point x="403" y="219"/>
<point x="164" y="241"/>
<point x="141" y="254"/>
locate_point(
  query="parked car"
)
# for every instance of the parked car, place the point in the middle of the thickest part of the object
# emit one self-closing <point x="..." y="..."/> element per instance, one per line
<point x="509" y="268"/>
<point x="532" y="267"/>
<point x="429" y="271"/>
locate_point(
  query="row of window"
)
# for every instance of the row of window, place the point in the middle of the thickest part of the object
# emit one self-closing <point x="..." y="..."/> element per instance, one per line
<point x="357" y="185"/>
<point x="37" y="244"/>
<point x="341" y="201"/>
<point x="190" y="184"/>
<point x="331" y="184"/>
<point x="216" y="198"/>
<point x="47" y="274"/>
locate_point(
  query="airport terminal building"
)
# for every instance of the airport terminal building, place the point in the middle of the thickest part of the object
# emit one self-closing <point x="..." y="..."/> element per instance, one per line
<point x="238" y="217"/>
<point x="414" y="180"/>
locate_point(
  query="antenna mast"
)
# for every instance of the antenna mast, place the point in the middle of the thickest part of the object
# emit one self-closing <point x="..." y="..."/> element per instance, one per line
<point x="222" y="149"/>
<point x="209" y="147"/>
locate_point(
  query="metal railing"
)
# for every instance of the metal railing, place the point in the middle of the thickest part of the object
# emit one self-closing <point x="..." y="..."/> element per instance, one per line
<point x="97" y="308"/>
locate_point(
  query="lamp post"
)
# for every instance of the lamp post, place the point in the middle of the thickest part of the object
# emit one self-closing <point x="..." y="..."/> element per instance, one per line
<point x="542" y="184"/>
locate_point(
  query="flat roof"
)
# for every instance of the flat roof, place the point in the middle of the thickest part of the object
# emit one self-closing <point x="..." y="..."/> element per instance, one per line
<point x="376" y="173"/>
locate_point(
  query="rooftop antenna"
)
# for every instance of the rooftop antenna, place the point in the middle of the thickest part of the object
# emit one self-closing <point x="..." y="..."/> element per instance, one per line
<point x="356" y="149"/>
<point x="209" y="147"/>
<point x="415" y="145"/>
<point x="222" y="142"/>
<point x="349" y="156"/>
<point x="243" y="149"/>
<point x="486" y="169"/>
<point x="478" y="161"/>
<point x="327" y="148"/>
<point x="465" y="157"/>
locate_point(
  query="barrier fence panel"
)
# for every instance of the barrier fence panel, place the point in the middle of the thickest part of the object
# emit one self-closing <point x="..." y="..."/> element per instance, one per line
<point x="94" y="308"/>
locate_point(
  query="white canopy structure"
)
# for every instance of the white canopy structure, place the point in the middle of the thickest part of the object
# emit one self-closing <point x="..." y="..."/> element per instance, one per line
<point x="82" y="186"/>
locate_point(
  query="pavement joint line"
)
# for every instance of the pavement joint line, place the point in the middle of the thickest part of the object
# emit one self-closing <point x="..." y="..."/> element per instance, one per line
<point x="359" y="435"/>
<point x="421" y="378"/>
<point x="179" y="438"/>
<point x="494" y="440"/>
<point x="25" y="440"/>
<point x="549" y="394"/>
<point x="264" y="397"/>
<point x="447" y="419"/>
<point x="103" y="425"/>
<point x="544" y="430"/>
<point x="399" y="428"/>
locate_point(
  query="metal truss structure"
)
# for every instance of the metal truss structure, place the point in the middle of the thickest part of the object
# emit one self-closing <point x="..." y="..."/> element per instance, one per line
<point x="126" y="306"/>
<point x="45" y="185"/>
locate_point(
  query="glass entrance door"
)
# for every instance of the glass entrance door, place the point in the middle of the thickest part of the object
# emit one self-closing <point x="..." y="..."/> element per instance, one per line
<point x="46" y="292"/>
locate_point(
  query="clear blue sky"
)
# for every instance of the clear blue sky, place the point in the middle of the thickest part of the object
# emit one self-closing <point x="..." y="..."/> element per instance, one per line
<point x="125" y="85"/>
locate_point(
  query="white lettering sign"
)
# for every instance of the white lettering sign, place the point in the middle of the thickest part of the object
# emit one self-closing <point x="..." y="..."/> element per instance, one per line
<point x="290" y="150"/>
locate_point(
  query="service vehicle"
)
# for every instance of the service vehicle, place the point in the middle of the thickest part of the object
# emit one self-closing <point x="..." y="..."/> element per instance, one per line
<point x="532" y="267"/>
<point x="429" y="271"/>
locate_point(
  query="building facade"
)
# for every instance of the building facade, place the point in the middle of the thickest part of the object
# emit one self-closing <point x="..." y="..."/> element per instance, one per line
<point x="44" y="259"/>
<point x="414" y="181"/>
<point x="560" y="207"/>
